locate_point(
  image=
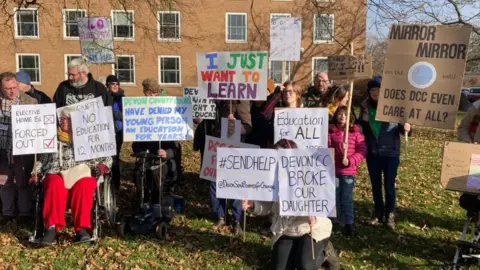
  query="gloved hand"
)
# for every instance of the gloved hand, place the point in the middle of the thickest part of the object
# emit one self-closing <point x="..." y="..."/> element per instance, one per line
<point x="101" y="169"/>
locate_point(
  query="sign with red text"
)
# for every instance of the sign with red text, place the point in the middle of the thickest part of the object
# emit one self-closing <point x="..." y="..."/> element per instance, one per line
<point x="423" y="74"/>
<point x="232" y="75"/>
<point x="209" y="164"/>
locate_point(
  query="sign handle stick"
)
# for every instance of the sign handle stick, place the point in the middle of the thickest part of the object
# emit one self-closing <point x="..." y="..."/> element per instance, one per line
<point x="284" y="71"/>
<point x="231" y="112"/>
<point x="311" y="239"/>
<point x="244" y="223"/>
<point x="349" y="111"/>
<point x="406" y="142"/>
<point x="35" y="165"/>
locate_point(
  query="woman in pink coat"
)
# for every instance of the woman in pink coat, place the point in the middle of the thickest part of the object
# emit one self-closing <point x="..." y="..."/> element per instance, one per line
<point x="346" y="169"/>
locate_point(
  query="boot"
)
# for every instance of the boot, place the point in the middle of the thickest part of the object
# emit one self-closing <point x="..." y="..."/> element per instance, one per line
<point x="391" y="221"/>
<point x="220" y="222"/>
<point x="48" y="236"/>
<point x="82" y="236"/>
<point x="349" y="230"/>
<point x="331" y="261"/>
<point x="237" y="229"/>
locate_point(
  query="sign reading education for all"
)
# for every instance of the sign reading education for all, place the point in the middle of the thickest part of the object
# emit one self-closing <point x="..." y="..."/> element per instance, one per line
<point x="423" y="74"/>
<point x="157" y="119"/>
<point x="232" y="75"/>
<point x="202" y="107"/>
<point x="96" y="39"/>
<point x="247" y="174"/>
<point x="285" y="39"/>
<point x="307" y="127"/>
<point x="34" y="129"/>
<point x="306" y="180"/>
<point x="344" y="67"/>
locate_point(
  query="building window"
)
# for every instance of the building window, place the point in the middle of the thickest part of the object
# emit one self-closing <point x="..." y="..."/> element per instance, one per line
<point x="323" y="28"/>
<point x="30" y="63"/>
<point x="169" y="25"/>
<point x="123" y="24"/>
<point x="68" y="59"/>
<point x="70" y="19"/>
<point x="319" y="64"/>
<point x="236" y="27"/>
<point x="124" y="69"/>
<point x="26" y="23"/>
<point x="276" y="71"/>
<point x="170" y="70"/>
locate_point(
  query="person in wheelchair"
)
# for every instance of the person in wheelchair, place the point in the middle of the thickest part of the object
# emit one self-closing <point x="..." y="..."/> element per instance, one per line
<point x="65" y="179"/>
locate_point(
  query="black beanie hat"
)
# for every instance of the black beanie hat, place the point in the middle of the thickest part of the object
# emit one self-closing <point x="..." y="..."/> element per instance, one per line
<point x="112" y="78"/>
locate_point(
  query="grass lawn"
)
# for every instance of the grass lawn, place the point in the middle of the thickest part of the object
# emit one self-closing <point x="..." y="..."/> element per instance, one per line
<point x="429" y="223"/>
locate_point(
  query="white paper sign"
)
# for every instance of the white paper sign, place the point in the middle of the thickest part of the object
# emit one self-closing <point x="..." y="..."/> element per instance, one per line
<point x="96" y="39"/>
<point x="236" y="136"/>
<point x="202" y="107"/>
<point x="307" y="182"/>
<point x="247" y="174"/>
<point x="307" y="127"/>
<point x="93" y="133"/>
<point x="285" y="39"/>
<point x="81" y="106"/>
<point x="34" y="129"/>
<point x="209" y="164"/>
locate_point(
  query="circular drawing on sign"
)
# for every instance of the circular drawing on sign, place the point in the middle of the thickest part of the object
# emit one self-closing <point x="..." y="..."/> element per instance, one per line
<point x="422" y="75"/>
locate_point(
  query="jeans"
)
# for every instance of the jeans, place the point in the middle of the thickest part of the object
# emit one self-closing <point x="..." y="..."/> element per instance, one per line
<point x="388" y="166"/>
<point x="219" y="205"/>
<point x="344" y="199"/>
<point x="296" y="253"/>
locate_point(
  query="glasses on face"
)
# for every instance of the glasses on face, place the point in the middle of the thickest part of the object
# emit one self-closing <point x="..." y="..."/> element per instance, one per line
<point x="289" y="92"/>
<point x="11" y="89"/>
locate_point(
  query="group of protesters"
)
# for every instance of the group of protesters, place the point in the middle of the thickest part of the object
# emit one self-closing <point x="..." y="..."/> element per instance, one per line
<point x="377" y="142"/>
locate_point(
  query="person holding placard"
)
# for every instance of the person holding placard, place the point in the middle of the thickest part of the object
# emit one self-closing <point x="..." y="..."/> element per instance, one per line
<point x="346" y="169"/>
<point x="67" y="179"/>
<point x="313" y="98"/>
<point x="13" y="178"/>
<point x="335" y="97"/>
<point x="383" y="154"/>
<point x="262" y="128"/>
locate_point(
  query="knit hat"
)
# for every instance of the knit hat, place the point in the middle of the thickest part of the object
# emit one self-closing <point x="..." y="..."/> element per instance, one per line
<point x="23" y="77"/>
<point x="374" y="82"/>
<point x="270" y="85"/>
<point x="110" y="79"/>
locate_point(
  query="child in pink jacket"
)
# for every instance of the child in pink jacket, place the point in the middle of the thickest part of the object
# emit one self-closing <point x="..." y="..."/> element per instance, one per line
<point x="346" y="169"/>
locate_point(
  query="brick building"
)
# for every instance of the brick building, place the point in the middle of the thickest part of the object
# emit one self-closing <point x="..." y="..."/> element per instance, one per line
<point x="154" y="40"/>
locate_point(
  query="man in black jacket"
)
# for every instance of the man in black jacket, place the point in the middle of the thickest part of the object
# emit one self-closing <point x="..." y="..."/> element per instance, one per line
<point x="79" y="86"/>
<point x="25" y="85"/>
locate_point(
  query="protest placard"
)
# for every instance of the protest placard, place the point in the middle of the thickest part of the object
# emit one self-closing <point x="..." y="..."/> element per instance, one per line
<point x="93" y="133"/>
<point x="34" y="129"/>
<point x="247" y="174"/>
<point x="232" y="75"/>
<point x="457" y="166"/>
<point x="423" y="74"/>
<point x="228" y="133"/>
<point x="157" y="119"/>
<point x="96" y="39"/>
<point x="81" y="106"/>
<point x="202" y="107"/>
<point x="285" y="39"/>
<point x="349" y="67"/>
<point x="306" y="179"/>
<point x="308" y="127"/>
<point x="209" y="164"/>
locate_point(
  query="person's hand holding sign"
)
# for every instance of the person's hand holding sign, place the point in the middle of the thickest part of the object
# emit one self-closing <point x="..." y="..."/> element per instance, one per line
<point x="162" y="154"/>
<point x="246" y="204"/>
<point x="231" y="125"/>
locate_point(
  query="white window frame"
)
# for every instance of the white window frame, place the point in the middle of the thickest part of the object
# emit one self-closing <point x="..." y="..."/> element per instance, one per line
<point x="313" y="65"/>
<point x="39" y="66"/>
<point x="328" y="41"/>
<point x="113" y="26"/>
<point x="134" y="83"/>
<point x="179" y="69"/>
<point x="65" y="57"/>
<point x="64" y="11"/>
<point x="179" y="26"/>
<point x="15" y="24"/>
<point x="287" y="67"/>
<point x="226" y="27"/>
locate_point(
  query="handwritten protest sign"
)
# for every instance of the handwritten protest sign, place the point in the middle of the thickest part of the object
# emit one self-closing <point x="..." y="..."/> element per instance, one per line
<point x="308" y="127"/>
<point x="81" y="106"/>
<point x="93" y="133"/>
<point x="232" y="75"/>
<point x="202" y="107"/>
<point x="285" y="39"/>
<point x="34" y="129"/>
<point x="423" y="74"/>
<point x="345" y="67"/>
<point x="248" y="174"/>
<point x="96" y="39"/>
<point x="157" y="119"/>
<point x="473" y="179"/>
<point x="306" y="180"/>
<point x="209" y="164"/>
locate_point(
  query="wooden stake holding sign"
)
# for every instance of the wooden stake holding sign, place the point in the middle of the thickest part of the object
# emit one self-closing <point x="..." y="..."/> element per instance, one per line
<point x="349" y="112"/>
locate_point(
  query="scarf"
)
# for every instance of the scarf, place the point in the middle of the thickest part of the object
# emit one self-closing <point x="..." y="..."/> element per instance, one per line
<point x="331" y="110"/>
<point x="374" y="124"/>
<point x="64" y="136"/>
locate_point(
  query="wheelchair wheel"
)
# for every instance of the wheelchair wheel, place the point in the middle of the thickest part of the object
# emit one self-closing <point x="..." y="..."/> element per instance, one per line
<point x="109" y="201"/>
<point x="161" y="230"/>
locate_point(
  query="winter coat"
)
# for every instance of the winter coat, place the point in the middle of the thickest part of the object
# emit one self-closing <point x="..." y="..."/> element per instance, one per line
<point x="66" y="94"/>
<point x="172" y="167"/>
<point x="469" y="128"/>
<point x="40" y="96"/>
<point x="115" y="100"/>
<point x="357" y="149"/>
<point x="312" y="99"/>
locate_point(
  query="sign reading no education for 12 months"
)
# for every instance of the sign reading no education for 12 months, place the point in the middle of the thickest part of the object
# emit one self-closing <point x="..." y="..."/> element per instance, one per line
<point x="157" y="119"/>
<point x="232" y="75"/>
<point x="306" y="180"/>
<point x="96" y="39"/>
<point x="423" y="74"/>
<point x="202" y="107"/>
<point x="34" y="129"/>
<point x="247" y="174"/>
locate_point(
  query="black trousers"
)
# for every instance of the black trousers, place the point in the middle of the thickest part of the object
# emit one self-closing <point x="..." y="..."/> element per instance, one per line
<point x="116" y="174"/>
<point x="291" y="253"/>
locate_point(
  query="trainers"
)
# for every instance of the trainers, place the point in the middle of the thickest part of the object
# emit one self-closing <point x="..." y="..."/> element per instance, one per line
<point x="48" y="236"/>
<point x="349" y="230"/>
<point x="331" y="261"/>
<point x="237" y="229"/>
<point x="82" y="236"/>
<point x="391" y="221"/>
<point x="220" y="222"/>
<point x="6" y="219"/>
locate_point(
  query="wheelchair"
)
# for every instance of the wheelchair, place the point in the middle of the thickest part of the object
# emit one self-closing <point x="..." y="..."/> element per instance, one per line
<point x="104" y="207"/>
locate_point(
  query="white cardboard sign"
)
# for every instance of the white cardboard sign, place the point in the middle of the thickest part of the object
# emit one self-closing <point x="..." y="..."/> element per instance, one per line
<point x="285" y="39"/>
